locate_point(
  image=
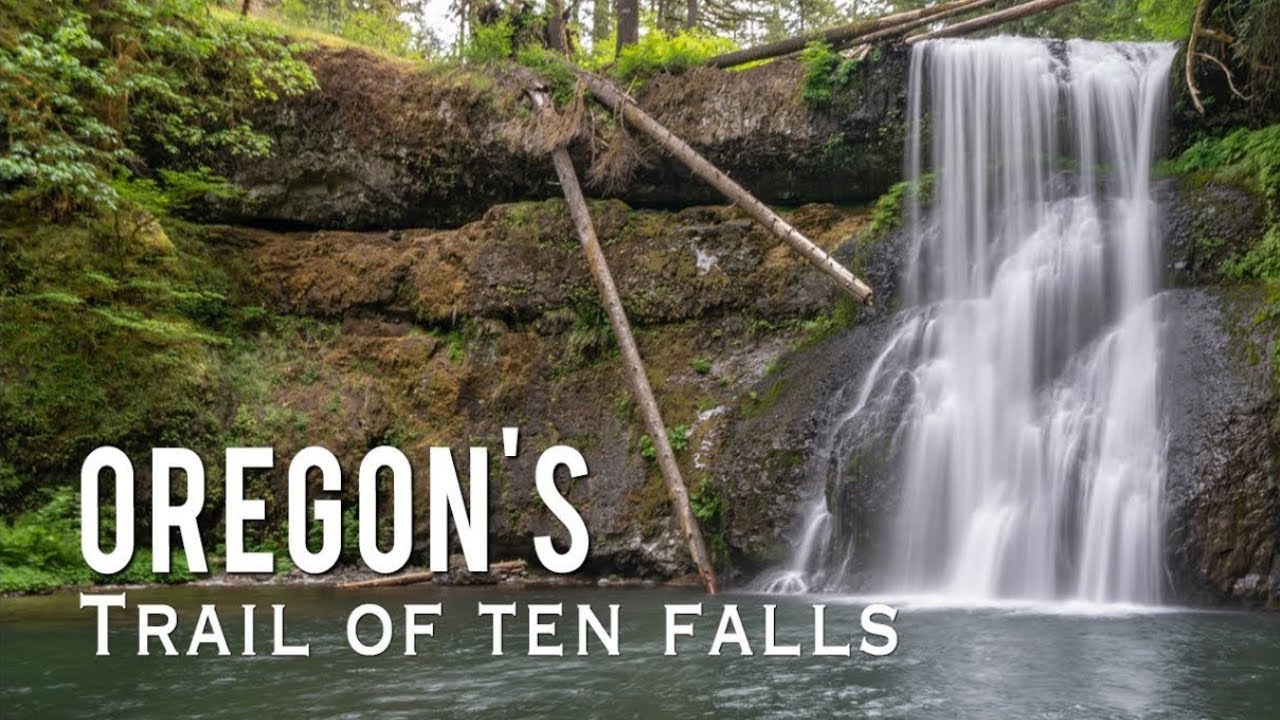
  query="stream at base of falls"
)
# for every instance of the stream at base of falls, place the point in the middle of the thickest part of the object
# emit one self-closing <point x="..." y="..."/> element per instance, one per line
<point x="1011" y="661"/>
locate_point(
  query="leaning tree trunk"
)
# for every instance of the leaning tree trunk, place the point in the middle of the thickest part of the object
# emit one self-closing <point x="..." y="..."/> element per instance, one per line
<point x="614" y="99"/>
<point x="631" y="361"/>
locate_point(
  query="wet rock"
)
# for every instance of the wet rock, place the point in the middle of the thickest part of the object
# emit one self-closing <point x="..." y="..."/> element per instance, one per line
<point x="1222" y="492"/>
<point x="1203" y="225"/>
<point x="383" y="144"/>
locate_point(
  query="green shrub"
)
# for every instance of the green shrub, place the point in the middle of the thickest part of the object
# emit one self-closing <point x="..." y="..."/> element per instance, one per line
<point x="705" y="502"/>
<point x="1250" y="159"/>
<point x="887" y="213"/>
<point x="701" y="365"/>
<point x="490" y="43"/>
<point x="677" y="437"/>
<point x="657" y="52"/>
<point x="826" y="70"/>
<point x="40" y="549"/>
<point x="88" y="98"/>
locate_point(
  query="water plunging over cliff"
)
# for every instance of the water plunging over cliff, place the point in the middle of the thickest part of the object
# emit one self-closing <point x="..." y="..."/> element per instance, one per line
<point x="1021" y="380"/>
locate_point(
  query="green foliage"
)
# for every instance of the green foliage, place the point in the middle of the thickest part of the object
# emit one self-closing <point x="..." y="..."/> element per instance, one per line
<point x="1109" y="20"/>
<point x="825" y="71"/>
<point x="701" y="365"/>
<point x="591" y="335"/>
<point x="886" y="216"/>
<point x="705" y="502"/>
<point x="659" y="52"/>
<point x="1251" y="159"/>
<point x="709" y="508"/>
<point x="490" y="43"/>
<point x="552" y="68"/>
<point x="373" y="23"/>
<point x="99" y="349"/>
<point x="89" y="98"/>
<point x="820" y="61"/>
<point x="677" y="437"/>
<point x="40" y="550"/>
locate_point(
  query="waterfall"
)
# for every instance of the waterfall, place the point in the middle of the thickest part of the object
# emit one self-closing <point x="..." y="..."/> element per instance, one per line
<point x="1027" y="443"/>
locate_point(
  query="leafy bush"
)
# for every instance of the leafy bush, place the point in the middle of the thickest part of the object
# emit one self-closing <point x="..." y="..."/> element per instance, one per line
<point x="490" y="43"/>
<point x="658" y="52"/>
<point x="887" y="213"/>
<point x="1251" y="159"/>
<point x="40" y="551"/>
<point x="825" y="70"/>
<point x="89" y="98"/>
<point x="705" y="502"/>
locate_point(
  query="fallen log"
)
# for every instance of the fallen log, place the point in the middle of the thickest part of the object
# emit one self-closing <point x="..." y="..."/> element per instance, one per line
<point x="392" y="581"/>
<point x="850" y="34"/>
<point x="631" y="361"/>
<point x="898" y="31"/>
<point x="982" y="22"/>
<point x="613" y="98"/>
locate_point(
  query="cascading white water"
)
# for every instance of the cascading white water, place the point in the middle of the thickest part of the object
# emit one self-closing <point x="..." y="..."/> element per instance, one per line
<point x="1030" y="449"/>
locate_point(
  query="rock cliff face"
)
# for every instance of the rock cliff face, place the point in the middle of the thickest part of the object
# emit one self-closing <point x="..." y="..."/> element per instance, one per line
<point x="452" y="334"/>
<point x="386" y="145"/>
<point x="444" y="337"/>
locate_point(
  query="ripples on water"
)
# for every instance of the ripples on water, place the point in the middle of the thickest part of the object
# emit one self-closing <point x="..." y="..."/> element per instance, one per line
<point x="954" y="660"/>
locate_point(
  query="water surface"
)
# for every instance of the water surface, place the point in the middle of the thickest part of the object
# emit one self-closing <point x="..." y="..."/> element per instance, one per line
<point x="1013" y="660"/>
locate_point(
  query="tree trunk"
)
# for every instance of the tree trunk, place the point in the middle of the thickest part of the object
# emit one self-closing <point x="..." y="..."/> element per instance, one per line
<point x="847" y="34"/>
<point x="556" y="38"/>
<point x="631" y="361"/>
<point x="691" y="14"/>
<point x="628" y="23"/>
<point x="983" y="22"/>
<point x="244" y="8"/>
<point x="601" y="20"/>
<point x="614" y="99"/>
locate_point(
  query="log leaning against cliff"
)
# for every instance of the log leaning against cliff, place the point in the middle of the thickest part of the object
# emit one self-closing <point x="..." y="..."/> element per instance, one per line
<point x="613" y="98"/>
<point x="632" y="364"/>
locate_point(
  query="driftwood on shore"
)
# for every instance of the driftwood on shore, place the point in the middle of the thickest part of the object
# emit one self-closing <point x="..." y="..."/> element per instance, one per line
<point x="412" y="578"/>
